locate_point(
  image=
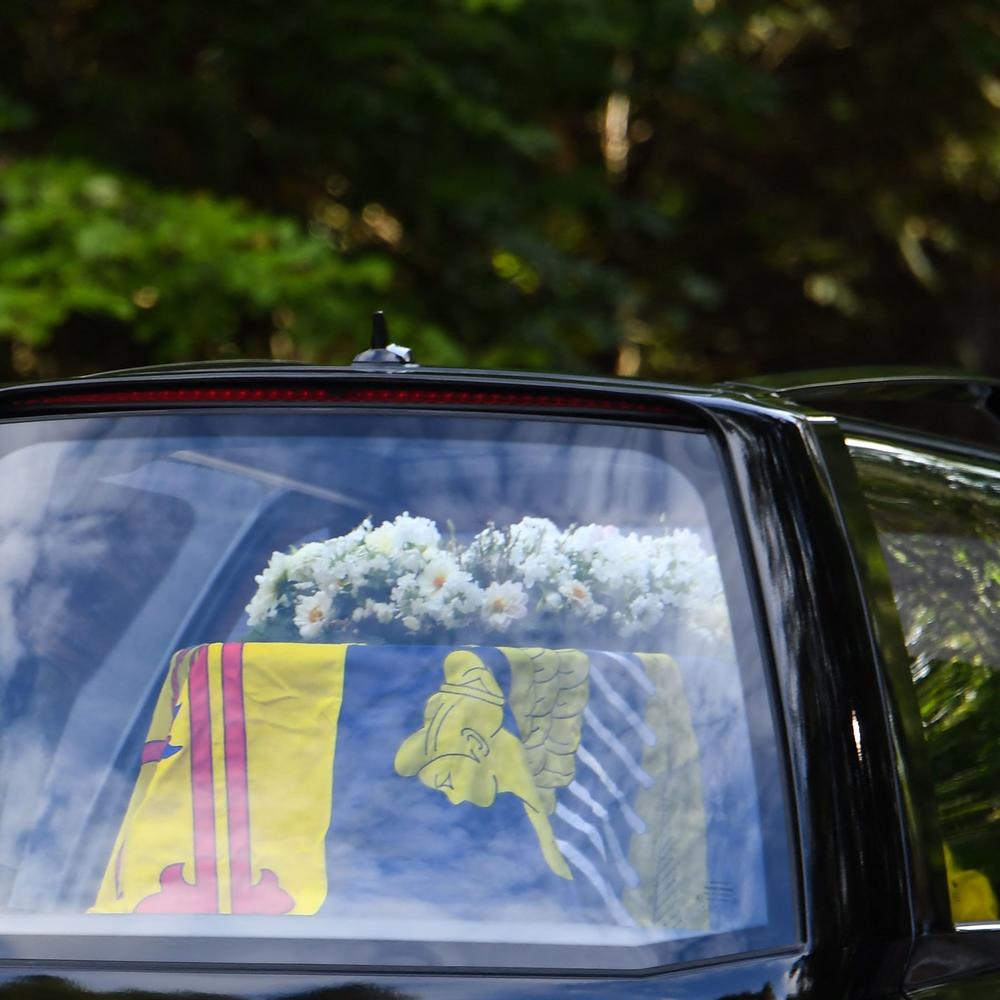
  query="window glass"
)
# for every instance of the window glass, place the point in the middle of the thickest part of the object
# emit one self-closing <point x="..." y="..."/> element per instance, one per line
<point x="938" y="520"/>
<point x="447" y="690"/>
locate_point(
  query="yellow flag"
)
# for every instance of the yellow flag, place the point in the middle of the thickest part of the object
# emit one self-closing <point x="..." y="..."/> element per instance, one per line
<point x="233" y="801"/>
<point x="972" y="896"/>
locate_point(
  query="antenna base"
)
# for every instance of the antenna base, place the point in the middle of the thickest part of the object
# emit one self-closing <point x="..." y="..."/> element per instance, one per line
<point x="381" y="351"/>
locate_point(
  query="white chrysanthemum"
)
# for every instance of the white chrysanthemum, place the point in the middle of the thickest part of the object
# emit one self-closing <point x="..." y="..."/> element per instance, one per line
<point x="276" y="570"/>
<point x="330" y="576"/>
<point x="406" y="542"/>
<point x="360" y="567"/>
<point x="419" y="532"/>
<point x="383" y="540"/>
<point x="405" y="589"/>
<point x="504" y="603"/>
<point x="263" y="606"/>
<point x="399" y="572"/>
<point x="439" y="573"/>
<point x="440" y="594"/>
<point x="383" y="612"/>
<point x="457" y="607"/>
<point x="533" y="530"/>
<point x="487" y="540"/>
<point x="579" y="599"/>
<point x="576" y="593"/>
<point x="312" y="614"/>
<point x="301" y="563"/>
<point x="646" y="610"/>
<point x="617" y="563"/>
<point x="532" y="535"/>
<point x="405" y="531"/>
<point x="589" y="537"/>
<point x="488" y="554"/>
<point x="547" y="568"/>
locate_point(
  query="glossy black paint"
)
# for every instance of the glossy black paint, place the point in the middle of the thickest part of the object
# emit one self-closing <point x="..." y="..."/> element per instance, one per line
<point x="945" y="964"/>
<point x="929" y="901"/>
<point x="749" y="980"/>
<point x="874" y="912"/>
<point x="954" y="408"/>
<point x="855" y="888"/>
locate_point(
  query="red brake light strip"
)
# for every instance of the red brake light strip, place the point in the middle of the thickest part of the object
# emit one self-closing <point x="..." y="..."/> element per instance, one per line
<point x="284" y="394"/>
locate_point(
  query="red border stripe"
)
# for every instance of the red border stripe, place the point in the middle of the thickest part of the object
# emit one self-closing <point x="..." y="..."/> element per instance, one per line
<point x="202" y="785"/>
<point x="237" y="786"/>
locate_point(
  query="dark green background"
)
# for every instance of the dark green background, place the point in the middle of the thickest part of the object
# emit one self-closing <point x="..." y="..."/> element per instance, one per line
<point x="689" y="189"/>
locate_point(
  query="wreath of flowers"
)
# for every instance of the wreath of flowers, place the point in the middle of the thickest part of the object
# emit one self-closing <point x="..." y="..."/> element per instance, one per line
<point x="402" y="580"/>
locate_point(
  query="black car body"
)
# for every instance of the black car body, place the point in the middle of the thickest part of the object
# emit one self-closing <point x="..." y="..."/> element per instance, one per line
<point x="862" y="855"/>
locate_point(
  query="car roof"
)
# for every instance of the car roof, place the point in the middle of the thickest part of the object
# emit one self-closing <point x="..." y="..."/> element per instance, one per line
<point x="944" y="405"/>
<point x="949" y="407"/>
<point x="868" y="380"/>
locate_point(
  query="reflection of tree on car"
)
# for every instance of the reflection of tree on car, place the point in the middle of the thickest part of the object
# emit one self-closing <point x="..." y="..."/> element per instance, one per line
<point x="939" y="524"/>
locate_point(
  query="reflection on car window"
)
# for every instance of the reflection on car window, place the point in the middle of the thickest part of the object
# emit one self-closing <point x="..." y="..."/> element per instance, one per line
<point x="434" y="680"/>
<point x="938" y="520"/>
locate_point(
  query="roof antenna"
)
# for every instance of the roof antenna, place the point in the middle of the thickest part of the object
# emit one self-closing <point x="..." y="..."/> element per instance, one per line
<point x="380" y="330"/>
<point x="381" y="351"/>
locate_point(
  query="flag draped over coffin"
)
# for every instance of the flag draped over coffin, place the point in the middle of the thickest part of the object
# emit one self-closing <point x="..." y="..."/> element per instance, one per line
<point x="584" y="767"/>
<point x="211" y="826"/>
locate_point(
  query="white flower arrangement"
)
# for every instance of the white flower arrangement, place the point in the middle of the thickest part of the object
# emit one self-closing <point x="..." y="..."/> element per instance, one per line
<point x="400" y="580"/>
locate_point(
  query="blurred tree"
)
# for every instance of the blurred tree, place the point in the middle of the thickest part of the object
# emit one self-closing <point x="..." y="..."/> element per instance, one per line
<point x="182" y="275"/>
<point x="691" y="188"/>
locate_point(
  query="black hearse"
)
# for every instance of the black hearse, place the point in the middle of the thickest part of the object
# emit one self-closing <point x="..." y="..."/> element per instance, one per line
<point x="386" y="681"/>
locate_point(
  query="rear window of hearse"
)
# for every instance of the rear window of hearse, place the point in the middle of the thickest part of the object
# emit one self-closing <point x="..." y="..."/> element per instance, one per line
<point x="382" y="688"/>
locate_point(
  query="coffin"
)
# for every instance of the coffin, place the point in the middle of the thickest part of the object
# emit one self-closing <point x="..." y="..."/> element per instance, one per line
<point x="304" y="778"/>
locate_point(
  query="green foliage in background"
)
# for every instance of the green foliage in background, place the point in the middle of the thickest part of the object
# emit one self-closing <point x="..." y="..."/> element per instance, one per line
<point x="182" y="272"/>
<point x="690" y="188"/>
